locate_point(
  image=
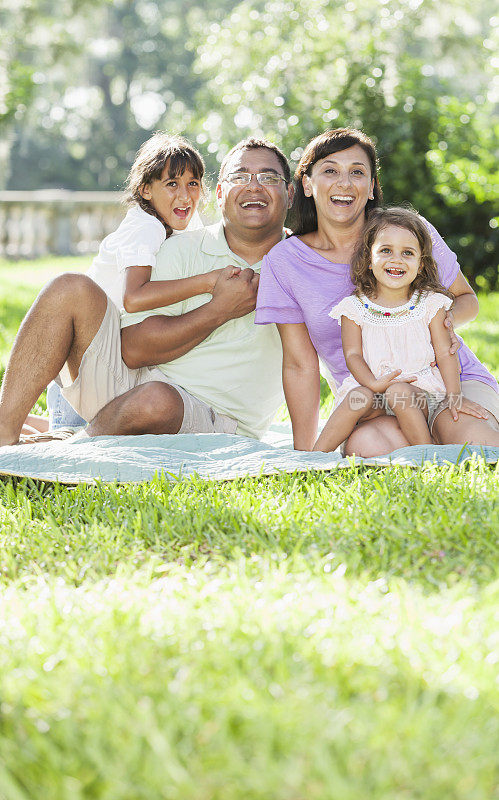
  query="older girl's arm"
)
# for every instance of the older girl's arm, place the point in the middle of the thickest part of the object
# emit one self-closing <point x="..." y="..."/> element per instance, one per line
<point x="143" y="294"/>
<point x="301" y="382"/>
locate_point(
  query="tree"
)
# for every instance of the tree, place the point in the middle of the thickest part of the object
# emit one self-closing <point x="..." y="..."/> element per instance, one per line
<point x="289" y="70"/>
<point x="414" y="74"/>
<point x="35" y="35"/>
<point x="97" y="102"/>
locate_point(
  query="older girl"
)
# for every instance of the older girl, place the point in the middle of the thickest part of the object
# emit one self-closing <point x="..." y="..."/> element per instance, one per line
<point x="163" y="191"/>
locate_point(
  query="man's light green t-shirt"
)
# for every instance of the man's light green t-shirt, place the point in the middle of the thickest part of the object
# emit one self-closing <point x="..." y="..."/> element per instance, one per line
<point x="237" y="368"/>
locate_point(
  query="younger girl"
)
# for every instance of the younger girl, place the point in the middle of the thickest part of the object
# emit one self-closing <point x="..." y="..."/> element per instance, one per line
<point x="163" y="190"/>
<point x="392" y="330"/>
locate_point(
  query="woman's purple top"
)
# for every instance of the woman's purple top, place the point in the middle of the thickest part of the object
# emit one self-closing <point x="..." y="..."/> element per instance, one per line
<point x="299" y="285"/>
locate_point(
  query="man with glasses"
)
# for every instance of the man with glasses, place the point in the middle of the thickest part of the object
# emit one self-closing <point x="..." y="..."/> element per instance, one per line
<point x="198" y="366"/>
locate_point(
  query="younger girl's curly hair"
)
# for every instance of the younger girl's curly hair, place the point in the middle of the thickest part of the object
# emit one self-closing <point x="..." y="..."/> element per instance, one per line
<point x="363" y="277"/>
<point x="151" y="159"/>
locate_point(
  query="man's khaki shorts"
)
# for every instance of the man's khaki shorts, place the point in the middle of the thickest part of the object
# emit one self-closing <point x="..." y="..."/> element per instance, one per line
<point x="103" y="376"/>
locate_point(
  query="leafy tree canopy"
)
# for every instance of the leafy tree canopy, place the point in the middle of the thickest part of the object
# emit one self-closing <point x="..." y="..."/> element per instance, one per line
<point x="416" y="75"/>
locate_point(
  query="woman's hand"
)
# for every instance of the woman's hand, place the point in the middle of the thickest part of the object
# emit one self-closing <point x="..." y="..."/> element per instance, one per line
<point x="461" y="405"/>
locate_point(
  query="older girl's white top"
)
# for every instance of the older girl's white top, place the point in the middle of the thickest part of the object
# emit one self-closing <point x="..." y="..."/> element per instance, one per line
<point x="135" y="243"/>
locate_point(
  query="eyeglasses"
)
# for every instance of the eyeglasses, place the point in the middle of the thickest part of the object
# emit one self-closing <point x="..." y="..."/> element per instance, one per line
<point x="263" y="178"/>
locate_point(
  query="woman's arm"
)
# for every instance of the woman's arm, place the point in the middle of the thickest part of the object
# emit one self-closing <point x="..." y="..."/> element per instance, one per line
<point x="301" y="382"/>
<point x="465" y="307"/>
<point x="448" y="363"/>
<point x="142" y="294"/>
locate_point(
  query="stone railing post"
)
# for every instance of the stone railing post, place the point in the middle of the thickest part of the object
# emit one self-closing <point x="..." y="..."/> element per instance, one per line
<point x="56" y="221"/>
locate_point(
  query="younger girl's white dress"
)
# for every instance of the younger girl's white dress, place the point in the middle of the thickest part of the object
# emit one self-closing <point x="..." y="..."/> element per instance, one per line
<point x="396" y="338"/>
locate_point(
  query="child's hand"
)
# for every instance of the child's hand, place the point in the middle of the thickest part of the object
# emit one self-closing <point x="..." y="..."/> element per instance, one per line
<point x="213" y="276"/>
<point x="460" y="405"/>
<point x="380" y="385"/>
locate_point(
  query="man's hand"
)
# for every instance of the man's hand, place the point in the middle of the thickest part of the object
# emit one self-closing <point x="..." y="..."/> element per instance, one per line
<point x="235" y="294"/>
<point x="212" y="277"/>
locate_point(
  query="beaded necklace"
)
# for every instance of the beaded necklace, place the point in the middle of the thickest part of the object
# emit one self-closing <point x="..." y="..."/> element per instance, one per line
<point x="400" y="311"/>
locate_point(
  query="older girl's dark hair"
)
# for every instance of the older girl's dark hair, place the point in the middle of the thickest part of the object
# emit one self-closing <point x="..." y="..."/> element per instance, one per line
<point x="151" y="159"/>
<point x="363" y="277"/>
<point x="303" y="214"/>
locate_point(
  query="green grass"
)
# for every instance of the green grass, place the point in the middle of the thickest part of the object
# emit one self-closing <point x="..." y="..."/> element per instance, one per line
<point x="296" y="637"/>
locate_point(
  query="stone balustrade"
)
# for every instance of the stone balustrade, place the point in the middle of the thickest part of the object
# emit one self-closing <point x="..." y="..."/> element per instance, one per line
<point x="56" y="221"/>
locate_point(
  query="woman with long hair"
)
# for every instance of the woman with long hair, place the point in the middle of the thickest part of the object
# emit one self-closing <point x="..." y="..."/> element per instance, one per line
<point x="304" y="276"/>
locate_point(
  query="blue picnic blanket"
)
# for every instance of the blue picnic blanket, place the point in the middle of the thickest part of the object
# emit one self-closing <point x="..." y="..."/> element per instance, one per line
<point x="218" y="456"/>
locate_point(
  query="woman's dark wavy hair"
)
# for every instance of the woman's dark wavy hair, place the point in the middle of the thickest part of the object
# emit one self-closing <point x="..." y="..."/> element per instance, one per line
<point x="363" y="277"/>
<point x="303" y="214"/>
<point x="158" y="151"/>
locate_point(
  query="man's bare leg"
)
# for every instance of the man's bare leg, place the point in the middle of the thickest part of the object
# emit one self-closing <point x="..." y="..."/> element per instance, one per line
<point x="59" y="327"/>
<point x="153" y="407"/>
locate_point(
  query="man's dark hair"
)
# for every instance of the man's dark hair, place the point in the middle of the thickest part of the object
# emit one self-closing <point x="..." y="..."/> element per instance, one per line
<point x="253" y="144"/>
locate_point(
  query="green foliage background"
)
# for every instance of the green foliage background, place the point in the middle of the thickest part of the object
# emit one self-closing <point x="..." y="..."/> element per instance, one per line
<point x="82" y="84"/>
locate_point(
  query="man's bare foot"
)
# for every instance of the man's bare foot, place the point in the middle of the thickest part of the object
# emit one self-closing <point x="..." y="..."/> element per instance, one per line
<point x="57" y="435"/>
<point x="36" y="423"/>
